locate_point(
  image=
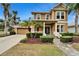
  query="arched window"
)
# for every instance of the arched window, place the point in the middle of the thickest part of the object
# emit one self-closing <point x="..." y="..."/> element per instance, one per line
<point x="38" y="16"/>
<point x="47" y="17"/>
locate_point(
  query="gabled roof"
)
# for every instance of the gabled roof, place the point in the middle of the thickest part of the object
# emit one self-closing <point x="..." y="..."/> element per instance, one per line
<point x="60" y="5"/>
<point x="55" y="8"/>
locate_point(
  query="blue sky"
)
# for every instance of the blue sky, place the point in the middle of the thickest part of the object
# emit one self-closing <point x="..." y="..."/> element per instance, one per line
<point x="25" y="9"/>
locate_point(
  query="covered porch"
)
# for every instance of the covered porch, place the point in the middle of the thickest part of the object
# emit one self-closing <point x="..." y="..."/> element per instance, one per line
<point x="49" y="27"/>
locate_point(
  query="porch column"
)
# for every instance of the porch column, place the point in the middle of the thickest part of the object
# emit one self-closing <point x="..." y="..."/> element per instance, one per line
<point x="55" y="27"/>
<point x="16" y="29"/>
<point x="44" y="29"/>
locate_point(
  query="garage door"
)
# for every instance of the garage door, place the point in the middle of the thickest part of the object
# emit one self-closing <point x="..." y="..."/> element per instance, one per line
<point x="22" y="30"/>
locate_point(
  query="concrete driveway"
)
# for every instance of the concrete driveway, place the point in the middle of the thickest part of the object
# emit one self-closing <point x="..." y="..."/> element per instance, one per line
<point x="9" y="41"/>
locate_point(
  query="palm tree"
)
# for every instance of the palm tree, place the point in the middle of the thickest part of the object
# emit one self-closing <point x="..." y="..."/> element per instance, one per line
<point x="30" y="23"/>
<point x="6" y="14"/>
<point x="1" y="24"/>
<point x="38" y="24"/>
<point x="15" y="17"/>
<point x="74" y="7"/>
<point x="18" y="20"/>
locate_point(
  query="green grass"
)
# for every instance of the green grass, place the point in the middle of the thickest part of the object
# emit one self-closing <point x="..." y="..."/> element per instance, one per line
<point x="33" y="50"/>
<point x="76" y="46"/>
<point x="1" y="31"/>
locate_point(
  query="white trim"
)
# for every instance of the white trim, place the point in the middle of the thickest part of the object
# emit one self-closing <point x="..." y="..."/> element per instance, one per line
<point x="55" y="27"/>
<point x="60" y="28"/>
<point x="46" y="16"/>
<point x="59" y="14"/>
<point x="62" y="22"/>
<point x="50" y="28"/>
<point x="37" y="16"/>
<point x="44" y="29"/>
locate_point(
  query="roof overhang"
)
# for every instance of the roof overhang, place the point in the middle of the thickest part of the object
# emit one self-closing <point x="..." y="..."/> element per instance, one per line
<point x="40" y="12"/>
<point x="53" y="21"/>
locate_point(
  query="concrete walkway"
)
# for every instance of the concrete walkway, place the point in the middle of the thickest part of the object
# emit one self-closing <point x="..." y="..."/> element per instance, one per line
<point x="66" y="48"/>
<point x="9" y="41"/>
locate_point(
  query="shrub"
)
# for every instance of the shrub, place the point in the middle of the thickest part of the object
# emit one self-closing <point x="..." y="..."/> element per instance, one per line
<point x="76" y="34"/>
<point x="47" y="39"/>
<point x="66" y="39"/>
<point x="34" y="35"/>
<point x="23" y="40"/>
<point x="2" y="35"/>
<point x="67" y="34"/>
<point x="8" y="33"/>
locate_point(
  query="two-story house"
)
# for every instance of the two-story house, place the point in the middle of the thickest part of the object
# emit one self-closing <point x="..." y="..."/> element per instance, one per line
<point x="53" y="21"/>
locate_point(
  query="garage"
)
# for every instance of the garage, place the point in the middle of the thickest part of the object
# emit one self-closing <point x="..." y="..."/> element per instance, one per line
<point x="22" y="30"/>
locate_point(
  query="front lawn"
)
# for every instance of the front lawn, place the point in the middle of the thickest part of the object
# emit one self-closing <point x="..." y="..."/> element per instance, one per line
<point x="76" y="46"/>
<point x="23" y="49"/>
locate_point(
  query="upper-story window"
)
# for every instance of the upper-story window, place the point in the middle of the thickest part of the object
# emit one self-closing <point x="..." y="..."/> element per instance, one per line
<point x="60" y="15"/>
<point x="38" y="16"/>
<point x="47" y="17"/>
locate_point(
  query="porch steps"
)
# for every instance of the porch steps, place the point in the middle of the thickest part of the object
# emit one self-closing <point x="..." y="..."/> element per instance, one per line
<point x="34" y="41"/>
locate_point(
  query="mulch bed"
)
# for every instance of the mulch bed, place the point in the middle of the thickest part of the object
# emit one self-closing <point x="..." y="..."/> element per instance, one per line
<point x="75" y="39"/>
<point x="34" y="41"/>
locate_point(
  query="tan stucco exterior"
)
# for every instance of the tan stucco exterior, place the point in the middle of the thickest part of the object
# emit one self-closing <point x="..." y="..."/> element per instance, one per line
<point x="52" y="13"/>
<point x="52" y="21"/>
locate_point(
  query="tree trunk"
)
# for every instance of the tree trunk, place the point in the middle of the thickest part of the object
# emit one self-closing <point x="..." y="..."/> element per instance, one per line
<point x="76" y="23"/>
<point x="5" y="29"/>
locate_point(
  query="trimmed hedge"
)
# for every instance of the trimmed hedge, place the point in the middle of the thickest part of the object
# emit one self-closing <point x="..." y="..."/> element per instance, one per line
<point x="4" y="34"/>
<point x="66" y="39"/>
<point x="34" y="35"/>
<point x="76" y="34"/>
<point x="67" y="34"/>
<point x="47" y="39"/>
<point x="23" y="40"/>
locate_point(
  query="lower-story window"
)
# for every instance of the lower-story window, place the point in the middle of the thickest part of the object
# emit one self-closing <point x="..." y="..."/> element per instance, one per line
<point x="37" y="28"/>
<point x="57" y="28"/>
<point x="60" y="28"/>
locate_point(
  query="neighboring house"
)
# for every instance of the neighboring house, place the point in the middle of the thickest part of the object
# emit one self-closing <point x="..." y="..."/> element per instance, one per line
<point x="53" y="21"/>
<point x="71" y="28"/>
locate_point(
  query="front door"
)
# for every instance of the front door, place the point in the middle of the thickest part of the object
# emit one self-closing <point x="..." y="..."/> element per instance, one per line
<point x="47" y="30"/>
